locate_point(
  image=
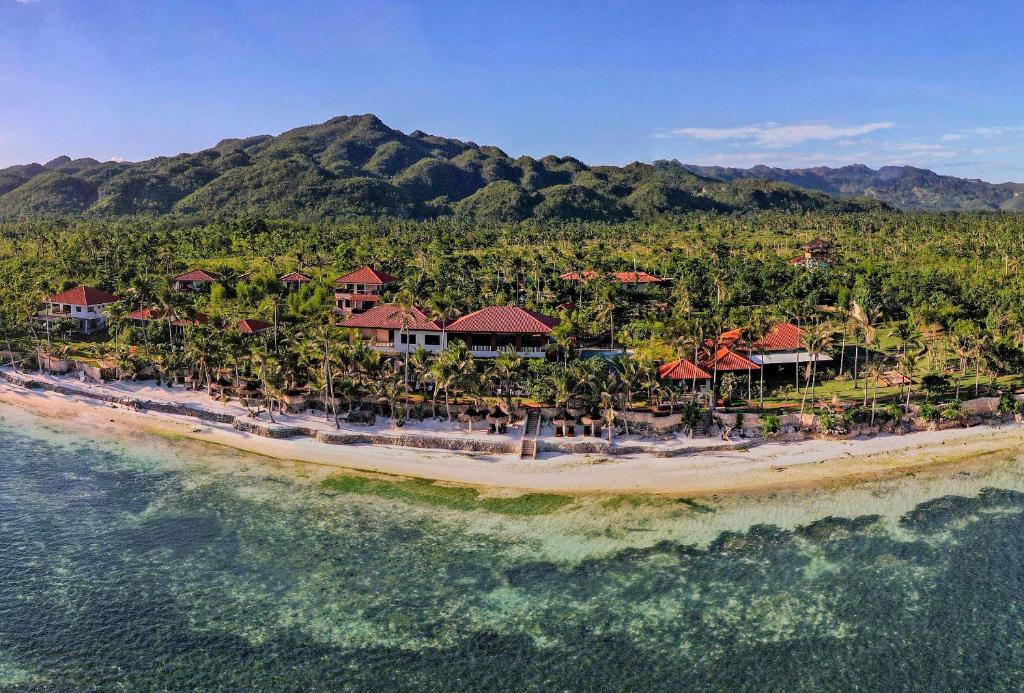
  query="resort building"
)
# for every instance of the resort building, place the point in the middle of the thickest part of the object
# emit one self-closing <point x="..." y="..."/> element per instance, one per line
<point x="149" y="316"/>
<point x="293" y="281"/>
<point x="389" y="327"/>
<point x="685" y="371"/>
<point x="360" y="290"/>
<point x="816" y="255"/>
<point x="642" y="278"/>
<point x="83" y="304"/>
<point x="489" y="330"/>
<point x="194" y="280"/>
<point x="253" y="326"/>
<point x="782" y="345"/>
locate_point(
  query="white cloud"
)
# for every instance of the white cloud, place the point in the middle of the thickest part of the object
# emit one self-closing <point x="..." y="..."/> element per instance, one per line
<point x="776" y="135"/>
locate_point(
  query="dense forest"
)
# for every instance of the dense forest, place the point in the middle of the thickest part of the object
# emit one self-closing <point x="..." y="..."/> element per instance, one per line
<point x="356" y="165"/>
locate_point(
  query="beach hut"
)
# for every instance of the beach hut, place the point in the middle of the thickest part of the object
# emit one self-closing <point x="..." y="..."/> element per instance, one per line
<point x="592" y="423"/>
<point x="564" y="424"/>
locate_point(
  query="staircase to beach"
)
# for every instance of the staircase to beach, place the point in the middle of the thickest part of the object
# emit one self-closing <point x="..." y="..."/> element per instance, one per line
<point x="528" y="450"/>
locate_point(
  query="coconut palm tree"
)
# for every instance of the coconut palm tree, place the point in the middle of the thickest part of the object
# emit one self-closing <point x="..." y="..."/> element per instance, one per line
<point x="406" y="302"/>
<point x="873" y="371"/>
<point x="816" y="338"/>
<point x="908" y="364"/>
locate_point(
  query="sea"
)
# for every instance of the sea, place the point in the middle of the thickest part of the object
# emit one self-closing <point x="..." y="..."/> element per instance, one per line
<point x="142" y="562"/>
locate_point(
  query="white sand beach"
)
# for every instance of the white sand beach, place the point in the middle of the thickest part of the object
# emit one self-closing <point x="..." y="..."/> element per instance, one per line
<point x="765" y="467"/>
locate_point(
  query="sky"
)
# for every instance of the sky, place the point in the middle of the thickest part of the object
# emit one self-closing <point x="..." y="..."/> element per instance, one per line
<point x="788" y="83"/>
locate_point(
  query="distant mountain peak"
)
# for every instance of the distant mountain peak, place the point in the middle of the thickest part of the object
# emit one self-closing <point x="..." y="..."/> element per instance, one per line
<point x="905" y="187"/>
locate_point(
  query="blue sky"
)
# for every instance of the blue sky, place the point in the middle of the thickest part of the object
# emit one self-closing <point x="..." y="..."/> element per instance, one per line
<point x="793" y="84"/>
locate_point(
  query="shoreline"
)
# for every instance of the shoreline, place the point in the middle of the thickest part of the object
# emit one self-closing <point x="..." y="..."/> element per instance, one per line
<point x="772" y="466"/>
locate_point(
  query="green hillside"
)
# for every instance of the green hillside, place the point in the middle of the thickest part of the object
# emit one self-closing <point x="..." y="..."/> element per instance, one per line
<point x="357" y="166"/>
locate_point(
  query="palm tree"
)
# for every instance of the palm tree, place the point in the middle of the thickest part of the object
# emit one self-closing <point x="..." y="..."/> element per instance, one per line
<point x="907" y="364"/>
<point x="629" y="374"/>
<point x="270" y="374"/>
<point x="406" y="303"/>
<point x="605" y="309"/>
<point x="759" y="324"/>
<point x="962" y="346"/>
<point x="507" y="368"/>
<point x="816" y="337"/>
<point x="873" y="370"/>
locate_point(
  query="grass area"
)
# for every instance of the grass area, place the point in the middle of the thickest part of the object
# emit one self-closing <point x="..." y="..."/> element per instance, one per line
<point x="852" y="392"/>
<point x="428" y="493"/>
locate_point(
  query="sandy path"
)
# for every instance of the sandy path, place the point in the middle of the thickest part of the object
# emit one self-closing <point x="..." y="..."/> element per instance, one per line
<point x="766" y="467"/>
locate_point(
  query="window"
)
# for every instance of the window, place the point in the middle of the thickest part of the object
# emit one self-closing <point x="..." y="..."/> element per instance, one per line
<point x="432" y="339"/>
<point x="78" y="309"/>
<point x="408" y="339"/>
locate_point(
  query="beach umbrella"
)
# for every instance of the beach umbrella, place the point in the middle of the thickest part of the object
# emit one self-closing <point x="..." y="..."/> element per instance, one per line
<point x="497" y="416"/>
<point x="470" y="415"/>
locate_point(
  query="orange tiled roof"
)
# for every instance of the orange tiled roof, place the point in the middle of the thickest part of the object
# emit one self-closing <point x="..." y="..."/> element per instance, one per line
<point x="682" y="369"/>
<point x="620" y="277"/>
<point x="388" y="316"/>
<point x="504" y="320"/>
<point x="84" y="296"/>
<point x="726" y="359"/>
<point x="366" y="275"/>
<point x="782" y="337"/>
<point x="295" y="277"/>
<point x="196" y="275"/>
<point x="252" y="326"/>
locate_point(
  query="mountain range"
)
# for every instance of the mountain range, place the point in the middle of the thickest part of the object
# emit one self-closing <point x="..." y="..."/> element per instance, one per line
<point x="357" y="165"/>
<point x="904" y="187"/>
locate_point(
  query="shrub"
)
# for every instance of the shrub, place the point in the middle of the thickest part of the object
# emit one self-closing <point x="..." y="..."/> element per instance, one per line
<point x="769" y="424"/>
<point x="928" y="412"/>
<point x="1007" y="404"/>
<point x="892" y="411"/>
<point x="692" y="414"/>
<point x="830" y="423"/>
<point x="954" y="411"/>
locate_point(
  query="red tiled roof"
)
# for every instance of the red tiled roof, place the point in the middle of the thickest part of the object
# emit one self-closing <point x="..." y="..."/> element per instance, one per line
<point x="252" y="326"/>
<point x="295" y="277"/>
<point x="782" y="337"/>
<point x="197" y="275"/>
<point x="366" y="275"/>
<point x="620" y="277"/>
<point x="682" y="369"/>
<point x="504" y="320"/>
<point x="816" y="243"/>
<point x="388" y="316"/>
<point x="728" y="360"/>
<point x="84" y="296"/>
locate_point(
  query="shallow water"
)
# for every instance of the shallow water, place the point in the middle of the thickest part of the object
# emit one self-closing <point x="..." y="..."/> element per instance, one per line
<point x="150" y="564"/>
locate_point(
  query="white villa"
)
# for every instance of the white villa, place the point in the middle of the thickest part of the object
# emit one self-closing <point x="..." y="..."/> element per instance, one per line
<point x="84" y="304"/>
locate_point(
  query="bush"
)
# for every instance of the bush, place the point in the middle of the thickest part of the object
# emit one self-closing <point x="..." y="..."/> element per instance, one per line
<point x="769" y="424"/>
<point x="893" y="412"/>
<point x="954" y="411"/>
<point x="830" y="423"/>
<point x="928" y="412"/>
<point x="1007" y="404"/>
<point x="692" y="414"/>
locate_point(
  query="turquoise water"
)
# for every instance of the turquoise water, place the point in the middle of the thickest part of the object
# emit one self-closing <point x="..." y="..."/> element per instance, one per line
<point x="150" y="564"/>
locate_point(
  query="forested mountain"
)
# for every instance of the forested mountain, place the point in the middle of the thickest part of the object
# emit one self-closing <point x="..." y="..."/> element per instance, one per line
<point x="905" y="187"/>
<point x="357" y="165"/>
